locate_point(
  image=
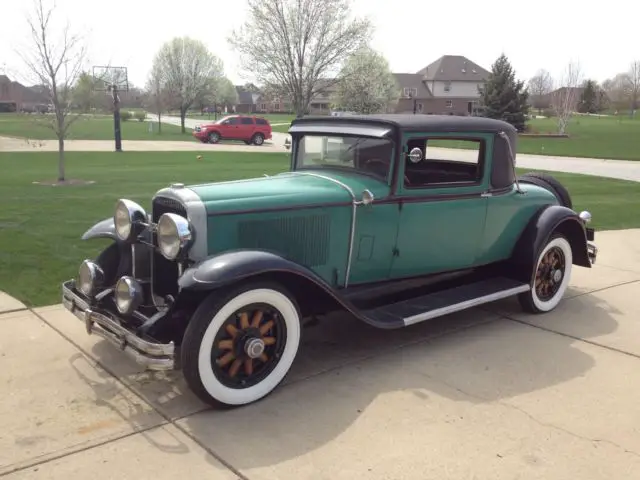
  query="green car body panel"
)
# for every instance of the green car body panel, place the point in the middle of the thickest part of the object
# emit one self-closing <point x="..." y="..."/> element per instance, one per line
<point x="307" y="219"/>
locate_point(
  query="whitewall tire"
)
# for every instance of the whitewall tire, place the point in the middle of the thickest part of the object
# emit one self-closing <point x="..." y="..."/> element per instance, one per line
<point x="237" y="349"/>
<point x="552" y="276"/>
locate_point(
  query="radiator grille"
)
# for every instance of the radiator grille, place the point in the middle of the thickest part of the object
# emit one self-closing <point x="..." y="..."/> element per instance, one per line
<point x="165" y="272"/>
<point x="304" y="240"/>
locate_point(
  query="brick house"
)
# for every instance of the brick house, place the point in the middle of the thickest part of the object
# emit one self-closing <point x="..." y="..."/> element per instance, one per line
<point x="448" y="86"/>
<point x="16" y="97"/>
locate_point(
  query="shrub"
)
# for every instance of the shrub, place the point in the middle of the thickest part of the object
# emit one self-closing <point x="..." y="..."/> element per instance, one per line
<point x="125" y="115"/>
<point x="140" y="115"/>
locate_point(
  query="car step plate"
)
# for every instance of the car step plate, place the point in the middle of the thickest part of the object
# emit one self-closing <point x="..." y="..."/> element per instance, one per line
<point x="444" y="302"/>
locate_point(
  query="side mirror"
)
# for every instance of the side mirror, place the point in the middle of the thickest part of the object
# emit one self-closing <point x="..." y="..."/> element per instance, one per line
<point x="367" y="197"/>
<point x="415" y="155"/>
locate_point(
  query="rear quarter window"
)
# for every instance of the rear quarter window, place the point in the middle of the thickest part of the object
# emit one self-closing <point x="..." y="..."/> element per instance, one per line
<point x="261" y="121"/>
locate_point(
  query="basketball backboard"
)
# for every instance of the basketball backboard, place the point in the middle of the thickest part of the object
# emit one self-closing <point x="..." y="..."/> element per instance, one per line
<point x="107" y="77"/>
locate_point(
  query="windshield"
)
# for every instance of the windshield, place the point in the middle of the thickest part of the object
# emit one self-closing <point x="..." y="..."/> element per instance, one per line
<point x="371" y="156"/>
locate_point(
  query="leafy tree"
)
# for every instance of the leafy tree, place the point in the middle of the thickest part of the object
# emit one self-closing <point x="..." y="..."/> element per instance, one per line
<point x="84" y="94"/>
<point x="226" y="93"/>
<point x="589" y="99"/>
<point x="504" y="97"/>
<point x="366" y="83"/>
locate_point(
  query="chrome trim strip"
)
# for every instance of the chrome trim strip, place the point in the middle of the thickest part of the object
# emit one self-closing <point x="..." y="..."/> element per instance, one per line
<point x="196" y="214"/>
<point x="592" y="252"/>
<point x="438" y="312"/>
<point x="153" y="356"/>
<point x="354" y="207"/>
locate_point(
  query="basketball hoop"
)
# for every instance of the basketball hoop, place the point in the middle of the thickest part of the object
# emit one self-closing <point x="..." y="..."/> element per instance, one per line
<point x="112" y="80"/>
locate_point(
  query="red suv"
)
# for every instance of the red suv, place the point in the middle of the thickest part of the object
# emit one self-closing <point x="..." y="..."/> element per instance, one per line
<point x="248" y="128"/>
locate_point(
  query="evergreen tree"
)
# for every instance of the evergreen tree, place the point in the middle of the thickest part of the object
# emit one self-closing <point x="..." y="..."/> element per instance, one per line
<point x="589" y="99"/>
<point x="503" y="97"/>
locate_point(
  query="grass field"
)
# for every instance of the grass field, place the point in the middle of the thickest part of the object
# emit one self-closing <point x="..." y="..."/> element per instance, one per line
<point x="596" y="137"/>
<point x="40" y="227"/>
<point x="87" y="127"/>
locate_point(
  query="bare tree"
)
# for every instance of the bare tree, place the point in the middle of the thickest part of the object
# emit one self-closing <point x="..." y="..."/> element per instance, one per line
<point x="188" y="71"/>
<point x="633" y="84"/>
<point x="55" y="63"/>
<point x="158" y="97"/>
<point x="295" y="46"/>
<point x="565" y="98"/>
<point x="366" y="83"/>
<point x="540" y="86"/>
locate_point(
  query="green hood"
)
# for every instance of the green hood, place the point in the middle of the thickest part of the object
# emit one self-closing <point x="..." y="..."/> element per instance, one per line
<point x="284" y="190"/>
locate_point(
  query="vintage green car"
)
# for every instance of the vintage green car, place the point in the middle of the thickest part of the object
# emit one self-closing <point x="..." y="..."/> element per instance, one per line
<point x="376" y="217"/>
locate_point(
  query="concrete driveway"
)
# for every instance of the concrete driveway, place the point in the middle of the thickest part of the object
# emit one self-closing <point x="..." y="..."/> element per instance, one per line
<point x="489" y="394"/>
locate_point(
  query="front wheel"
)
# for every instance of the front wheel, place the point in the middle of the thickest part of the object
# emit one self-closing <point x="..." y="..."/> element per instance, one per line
<point x="214" y="137"/>
<point x="553" y="273"/>
<point x="237" y="349"/>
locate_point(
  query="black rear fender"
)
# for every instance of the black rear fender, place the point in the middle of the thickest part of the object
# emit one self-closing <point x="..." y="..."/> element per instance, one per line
<point x="549" y="220"/>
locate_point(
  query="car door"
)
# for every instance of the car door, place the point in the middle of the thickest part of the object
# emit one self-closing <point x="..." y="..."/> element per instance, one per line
<point x="442" y="203"/>
<point x="247" y="128"/>
<point x="232" y="128"/>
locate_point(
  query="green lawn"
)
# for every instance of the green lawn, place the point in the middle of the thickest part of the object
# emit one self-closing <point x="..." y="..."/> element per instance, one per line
<point x="596" y="137"/>
<point x="87" y="127"/>
<point x="40" y="226"/>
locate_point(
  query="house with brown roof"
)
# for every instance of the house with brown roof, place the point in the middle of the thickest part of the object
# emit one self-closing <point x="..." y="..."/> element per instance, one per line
<point x="448" y="86"/>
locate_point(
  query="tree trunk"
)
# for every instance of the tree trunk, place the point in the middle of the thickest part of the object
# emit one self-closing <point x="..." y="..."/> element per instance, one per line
<point x="61" y="173"/>
<point x="183" y="114"/>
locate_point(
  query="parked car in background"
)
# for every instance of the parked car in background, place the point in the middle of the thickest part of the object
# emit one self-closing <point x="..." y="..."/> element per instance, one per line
<point x="247" y="128"/>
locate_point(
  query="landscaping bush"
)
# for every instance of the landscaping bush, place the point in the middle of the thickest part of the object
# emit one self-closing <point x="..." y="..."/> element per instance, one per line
<point x="125" y="115"/>
<point x="140" y="116"/>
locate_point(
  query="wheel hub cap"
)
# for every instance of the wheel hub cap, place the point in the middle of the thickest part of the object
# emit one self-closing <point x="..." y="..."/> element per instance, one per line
<point x="557" y="276"/>
<point x="254" y="347"/>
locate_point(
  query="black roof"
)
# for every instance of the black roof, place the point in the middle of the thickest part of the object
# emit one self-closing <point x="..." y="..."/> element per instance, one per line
<point x="434" y="123"/>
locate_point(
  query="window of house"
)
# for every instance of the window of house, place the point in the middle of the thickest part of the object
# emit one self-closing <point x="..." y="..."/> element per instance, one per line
<point x="445" y="161"/>
<point x="420" y="107"/>
<point x="449" y="103"/>
<point x="246" y="121"/>
<point x="263" y="107"/>
<point x="276" y="107"/>
<point x="408" y="91"/>
<point x="447" y="86"/>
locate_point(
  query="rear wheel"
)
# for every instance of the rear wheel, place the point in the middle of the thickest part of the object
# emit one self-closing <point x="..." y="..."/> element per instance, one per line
<point x="238" y="348"/>
<point x="214" y="137"/>
<point x="553" y="273"/>
<point x="545" y="180"/>
<point x="257" y="139"/>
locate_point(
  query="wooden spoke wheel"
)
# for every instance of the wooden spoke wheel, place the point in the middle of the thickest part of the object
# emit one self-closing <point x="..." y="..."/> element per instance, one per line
<point x="249" y="346"/>
<point x="238" y="347"/>
<point x="552" y="275"/>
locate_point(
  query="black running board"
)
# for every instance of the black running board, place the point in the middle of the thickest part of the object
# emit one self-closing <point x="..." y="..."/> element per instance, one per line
<point x="444" y="302"/>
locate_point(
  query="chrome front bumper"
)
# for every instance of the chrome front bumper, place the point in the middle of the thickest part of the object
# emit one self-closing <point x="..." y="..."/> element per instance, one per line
<point x="592" y="252"/>
<point x="151" y="355"/>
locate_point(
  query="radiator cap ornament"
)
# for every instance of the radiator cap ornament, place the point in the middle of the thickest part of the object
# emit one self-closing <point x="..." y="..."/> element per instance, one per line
<point x="177" y="185"/>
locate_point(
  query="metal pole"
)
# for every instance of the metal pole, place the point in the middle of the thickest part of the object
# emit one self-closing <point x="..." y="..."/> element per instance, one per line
<point x="116" y="119"/>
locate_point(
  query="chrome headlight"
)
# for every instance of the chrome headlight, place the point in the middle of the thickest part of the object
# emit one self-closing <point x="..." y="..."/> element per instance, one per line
<point x="174" y="235"/>
<point x="90" y="278"/>
<point x="128" y="295"/>
<point x="126" y="218"/>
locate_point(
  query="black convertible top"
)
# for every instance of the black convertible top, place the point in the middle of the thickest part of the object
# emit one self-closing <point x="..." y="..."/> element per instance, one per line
<point x="434" y="123"/>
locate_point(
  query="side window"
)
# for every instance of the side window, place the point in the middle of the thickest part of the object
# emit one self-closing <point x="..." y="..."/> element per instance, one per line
<point x="261" y="121"/>
<point x="246" y="121"/>
<point x="445" y="161"/>
<point x="233" y="121"/>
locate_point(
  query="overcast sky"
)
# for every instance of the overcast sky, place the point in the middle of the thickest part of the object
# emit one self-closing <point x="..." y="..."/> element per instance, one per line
<point x="603" y="37"/>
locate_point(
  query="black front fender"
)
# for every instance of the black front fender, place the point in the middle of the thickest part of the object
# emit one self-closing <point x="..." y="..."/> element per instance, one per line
<point x="548" y="220"/>
<point x="104" y="229"/>
<point x="228" y="267"/>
